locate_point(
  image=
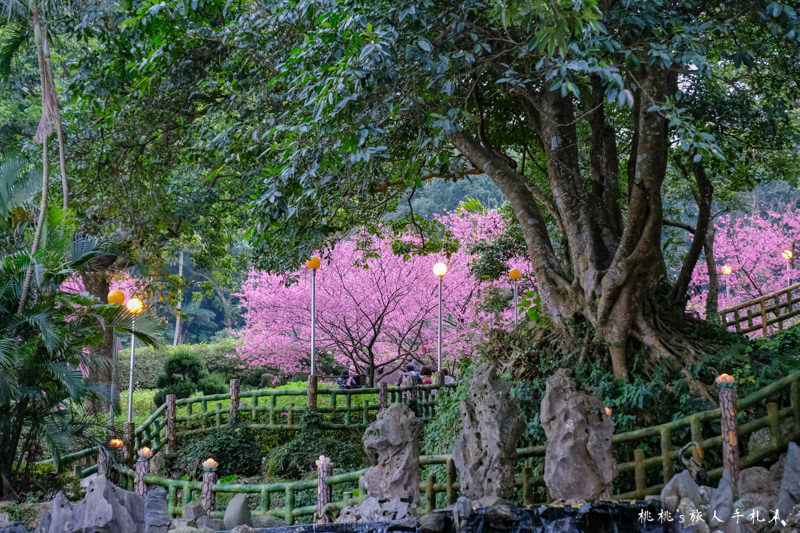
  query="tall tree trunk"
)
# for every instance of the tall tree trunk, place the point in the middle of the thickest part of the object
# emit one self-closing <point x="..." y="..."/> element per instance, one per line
<point x="712" y="298"/>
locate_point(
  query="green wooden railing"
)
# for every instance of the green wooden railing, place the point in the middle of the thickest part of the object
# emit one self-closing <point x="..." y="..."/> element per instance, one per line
<point x="776" y="407"/>
<point x="271" y="409"/>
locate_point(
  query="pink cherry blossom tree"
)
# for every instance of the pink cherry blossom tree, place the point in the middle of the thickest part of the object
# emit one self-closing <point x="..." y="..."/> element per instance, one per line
<point x="755" y="254"/>
<point x="374" y="308"/>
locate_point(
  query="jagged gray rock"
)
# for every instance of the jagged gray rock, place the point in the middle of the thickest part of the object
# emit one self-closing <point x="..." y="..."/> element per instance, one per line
<point x="193" y="511"/>
<point x="211" y="523"/>
<point x="156" y="511"/>
<point x="578" y="463"/>
<point x="721" y="508"/>
<point x="237" y="512"/>
<point x="13" y="527"/>
<point x="789" y="492"/>
<point x="679" y="487"/>
<point x="462" y="510"/>
<point x="485" y="452"/>
<point x="391" y="444"/>
<point x="105" y="507"/>
<point x="392" y="483"/>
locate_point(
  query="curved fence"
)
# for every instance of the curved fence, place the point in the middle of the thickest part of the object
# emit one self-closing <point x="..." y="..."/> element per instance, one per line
<point x="647" y="458"/>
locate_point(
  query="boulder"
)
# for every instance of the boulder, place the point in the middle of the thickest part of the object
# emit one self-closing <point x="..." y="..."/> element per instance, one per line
<point x="267" y="520"/>
<point x="436" y="522"/>
<point x="721" y="507"/>
<point x="485" y="452"/>
<point x="13" y="527"/>
<point x="243" y="529"/>
<point x="237" y="512"/>
<point x="193" y="511"/>
<point x="374" y="510"/>
<point x="156" y="511"/>
<point x="789" y="491"/>
<point x="578" y="464"/>
<point x="190" y="529"/>
<point x="392" y="483"/>
<point x="210" y="523"/>
<point x="105" y="507"/>
<point x="680" y="487"/>
<point x="391" y="444"/>
<point x="757" y="488"/>
<point x="462" y="510"/>
<point x="4" y="521"/>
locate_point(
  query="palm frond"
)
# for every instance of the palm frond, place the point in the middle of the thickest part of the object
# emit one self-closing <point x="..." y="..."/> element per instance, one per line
<point x="15" y="37"/>
<point x="148" y="329"/>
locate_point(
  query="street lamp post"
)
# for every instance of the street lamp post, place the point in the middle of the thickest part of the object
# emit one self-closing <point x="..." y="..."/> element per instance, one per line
<point x="788" y="255"/>
<point x="114" y="297"/>
<point x="515" y="274"/>
<point x="313" y="265"/>
<point x="134" y="306"/>
<point x="440" y="269"/>
<point x="726" y="271"/>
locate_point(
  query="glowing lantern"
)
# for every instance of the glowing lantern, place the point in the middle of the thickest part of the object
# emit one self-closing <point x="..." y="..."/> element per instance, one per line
<point x="608" y="411"/>
<point x="135" y="306"/>
<point x="725" y="380"/>
<point x="210" y="464"/>
<point x="515" y="274"/>
<point x="440" y="269"/>
<point x="145" y="453"/>
<point x="787" y="254"/>
<point x="313" y="263"/>
<point x="116" y="297"/>
<point x="726" y="269"/>
<point x="115" y="443"/>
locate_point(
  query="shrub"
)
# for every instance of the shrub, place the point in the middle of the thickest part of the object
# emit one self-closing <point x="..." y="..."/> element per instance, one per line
<point x="184" y="373"/>
<point x="233" y="446"/>
<point x="214" y="355"/>
<point x="295" y="459"/>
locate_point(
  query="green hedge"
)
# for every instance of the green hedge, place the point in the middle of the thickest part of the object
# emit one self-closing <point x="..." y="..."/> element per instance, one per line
<point x="150" y="363"/>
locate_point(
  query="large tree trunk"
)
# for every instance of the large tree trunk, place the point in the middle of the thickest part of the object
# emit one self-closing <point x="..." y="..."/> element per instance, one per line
<point x="614" y="267"/>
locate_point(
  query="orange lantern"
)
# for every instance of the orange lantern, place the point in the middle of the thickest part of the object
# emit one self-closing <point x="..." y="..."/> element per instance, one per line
<point x="515" y="274"/>
<point x="116" y="297"/>
<point x="145" y="453"/>
<point x="313" y="263"/>
<point x="210" y="464"/>
<point x="115" y="443"/>
<point x="608" y="411"/>
<point x="725" y="380"/>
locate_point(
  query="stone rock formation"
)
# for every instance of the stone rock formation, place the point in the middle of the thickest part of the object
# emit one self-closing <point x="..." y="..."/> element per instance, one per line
<point x="156" y="511"/>
<point x="392" y="483"/>
<point x="578" y="463"/>
<point x="485" y="452"/>
<point x="681" y="494"/>
<point x="105" y="507"/>
<point x="237" y="512"/>
<point x="789" y="492"/>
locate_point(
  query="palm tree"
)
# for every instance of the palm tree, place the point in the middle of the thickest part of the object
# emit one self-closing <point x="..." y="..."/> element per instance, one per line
<point x="22" y="17"/>
<point x="43" y="348"/>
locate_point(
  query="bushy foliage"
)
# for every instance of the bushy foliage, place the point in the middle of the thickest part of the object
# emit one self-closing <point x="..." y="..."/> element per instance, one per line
<point x="214" y="355"/>
<point x="233" y="446"/>
<point x="184" y="373"/>
<point x="295" y="459"/>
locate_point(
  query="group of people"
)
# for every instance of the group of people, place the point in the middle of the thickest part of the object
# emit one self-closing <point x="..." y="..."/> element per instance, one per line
<point x="410" y="376"/>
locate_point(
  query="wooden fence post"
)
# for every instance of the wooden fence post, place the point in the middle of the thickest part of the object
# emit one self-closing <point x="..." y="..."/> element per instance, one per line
<point x="383" y="395"/>
<point x="728" y="423"/>
<point x="171" y="412"/>
<point x="142" y="469"/>
<point x="208" y="498"/>
<point x="324" y="491"/>
<point x="311" y="399"/>
<point x="233" y="409"/>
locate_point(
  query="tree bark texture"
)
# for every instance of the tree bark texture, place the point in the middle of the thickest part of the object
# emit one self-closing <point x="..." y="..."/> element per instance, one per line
<point x="613" y="263"/>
